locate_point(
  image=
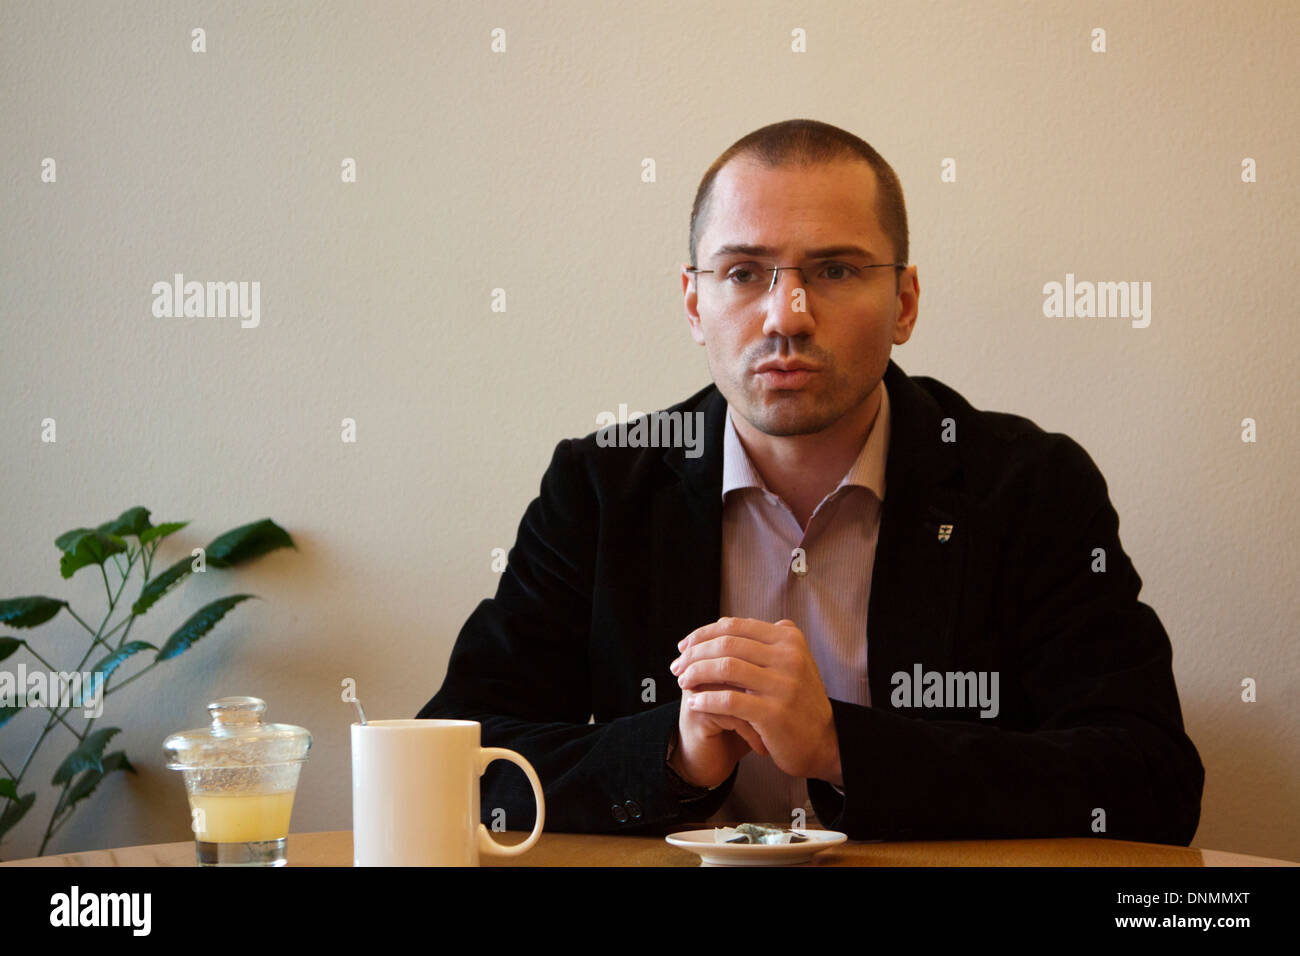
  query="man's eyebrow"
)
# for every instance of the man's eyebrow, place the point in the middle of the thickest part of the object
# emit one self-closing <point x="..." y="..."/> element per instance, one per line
<point x="744" y="249"/>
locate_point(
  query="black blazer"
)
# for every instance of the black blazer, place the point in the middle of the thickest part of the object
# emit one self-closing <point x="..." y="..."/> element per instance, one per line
<point x="619" y="557"/>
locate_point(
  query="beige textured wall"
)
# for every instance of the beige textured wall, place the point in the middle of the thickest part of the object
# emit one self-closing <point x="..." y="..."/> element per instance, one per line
<point x="522" y="170"/>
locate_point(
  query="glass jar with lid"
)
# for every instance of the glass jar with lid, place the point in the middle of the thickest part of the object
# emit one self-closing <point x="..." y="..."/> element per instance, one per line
<point x="240" y="776"/>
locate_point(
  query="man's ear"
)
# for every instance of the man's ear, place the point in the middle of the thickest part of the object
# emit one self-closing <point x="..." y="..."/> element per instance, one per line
<point x="691" y="305"/>
<point x="909" y="298"/>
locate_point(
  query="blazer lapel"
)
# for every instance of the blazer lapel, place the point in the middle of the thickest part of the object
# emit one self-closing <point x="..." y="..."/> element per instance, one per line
<point x="917" y="575"/>
<point x="686" y="532"/>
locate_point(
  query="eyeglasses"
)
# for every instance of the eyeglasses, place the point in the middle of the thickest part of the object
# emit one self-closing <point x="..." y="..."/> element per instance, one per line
<point x="831" y="281"/>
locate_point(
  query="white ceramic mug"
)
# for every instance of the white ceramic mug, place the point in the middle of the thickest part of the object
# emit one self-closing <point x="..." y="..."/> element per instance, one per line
<point x="415" y="794"/>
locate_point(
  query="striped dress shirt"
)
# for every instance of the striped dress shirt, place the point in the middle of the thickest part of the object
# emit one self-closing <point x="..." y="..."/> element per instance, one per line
<point x="824" y="591"/>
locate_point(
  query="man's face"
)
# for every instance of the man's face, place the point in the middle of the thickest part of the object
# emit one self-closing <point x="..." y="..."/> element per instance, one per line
<point x="794" y="210"/>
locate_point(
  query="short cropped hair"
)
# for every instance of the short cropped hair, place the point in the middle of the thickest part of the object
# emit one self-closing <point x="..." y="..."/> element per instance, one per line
<point x="810" y="142"/>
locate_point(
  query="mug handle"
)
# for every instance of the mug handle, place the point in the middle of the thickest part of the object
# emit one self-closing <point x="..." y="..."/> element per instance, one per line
<point x="486" y="843"/>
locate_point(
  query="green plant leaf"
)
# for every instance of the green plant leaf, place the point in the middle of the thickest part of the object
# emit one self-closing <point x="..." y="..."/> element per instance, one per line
<point x="160" y="584"/>
<point x="162" y="531"/>
<point x="8" y="645"/>
<point x="85" y="546"/>
<point x="7" y="712"/>
<point x="8" y="789"/>
<point x="85" y="756"/>
<point x="133" y="521"/>
<point x="202" y="621"/>
<point x="114" y="660"/>
<point x="247" y="542"/>
<point x="89" y="780"/>
<point x="15" y="812"/>
<point x="29" y="611"/>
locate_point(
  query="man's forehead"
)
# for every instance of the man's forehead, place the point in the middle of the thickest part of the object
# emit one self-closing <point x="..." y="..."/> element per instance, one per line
<point x="794" y="208"/>
<point x="750" y="177"/>
<point x="834" y="250"/>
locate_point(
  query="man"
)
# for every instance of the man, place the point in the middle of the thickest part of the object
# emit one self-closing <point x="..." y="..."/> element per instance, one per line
<point x="929" y="628"/>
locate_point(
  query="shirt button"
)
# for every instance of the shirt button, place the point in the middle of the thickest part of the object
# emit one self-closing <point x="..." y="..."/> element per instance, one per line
<point x="619" y="813"/>
<point x="633" y="809"/>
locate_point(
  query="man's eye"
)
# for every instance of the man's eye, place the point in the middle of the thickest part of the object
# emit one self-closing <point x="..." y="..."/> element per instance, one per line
<point x="742" y="275"/>
<point x="846" y="271"/>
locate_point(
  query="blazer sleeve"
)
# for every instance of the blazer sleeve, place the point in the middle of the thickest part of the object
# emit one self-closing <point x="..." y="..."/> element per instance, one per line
<point x="520" y="668"/>
<point x="1096" y="667"/>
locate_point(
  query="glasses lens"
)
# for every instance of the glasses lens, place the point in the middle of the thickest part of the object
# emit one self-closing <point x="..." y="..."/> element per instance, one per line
<point x="744" y="283"/>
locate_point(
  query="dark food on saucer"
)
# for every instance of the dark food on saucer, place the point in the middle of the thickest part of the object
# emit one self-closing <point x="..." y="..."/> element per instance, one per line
<point x="757" y="833"/>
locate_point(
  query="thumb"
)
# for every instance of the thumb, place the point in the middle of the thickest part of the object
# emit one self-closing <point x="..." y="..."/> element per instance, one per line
<point x="786" y="620"/>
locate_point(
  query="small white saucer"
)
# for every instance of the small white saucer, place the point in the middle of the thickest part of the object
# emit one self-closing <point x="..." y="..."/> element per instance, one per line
<point x="713" y="853"/>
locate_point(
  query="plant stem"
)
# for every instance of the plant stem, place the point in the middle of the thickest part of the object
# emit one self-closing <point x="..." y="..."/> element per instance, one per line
<point x="61" y="691"/>
<point x="49" y="827"/>
<point x="109" y="690"/>
<point x="129" y="622"/>
<point x="112" y="604"/>
<point x="31" y="753"/>
<point x="96" y="639"/>
<point x="59" y="808"/>
<point x="59" y="826"/>
<point x="32" y="650"/>
<point x="79" y="735"/>
<point x="147" y="568"/>
<point x="109" y="632"/>
<point x="60" y="694"/>
<point x="61" y="814"/>
<point x="89" y="629"/>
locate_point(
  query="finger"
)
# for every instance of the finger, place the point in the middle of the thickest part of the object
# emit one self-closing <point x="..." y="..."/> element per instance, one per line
<point x="726" y="645"/>
<point x="706" y="631"/>
<point x="730" y="703"/>
<point x="746" y="730"/>
<point x="742" y="626"/>
<point x="689" y="692"/>
<point x="728" y="670"/>
<point x="718" y="722"/>
<point x="724" y="723"/>
<point x="785" y="624"/>
<point x="711" y="687"/>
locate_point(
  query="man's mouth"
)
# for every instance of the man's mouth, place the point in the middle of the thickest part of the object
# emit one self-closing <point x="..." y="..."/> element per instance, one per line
<point x="786" y="373"/>
<point x="785" y="379"/>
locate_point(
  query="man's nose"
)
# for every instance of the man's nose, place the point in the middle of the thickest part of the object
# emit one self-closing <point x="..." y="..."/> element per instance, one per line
<point x="788" y="312"/>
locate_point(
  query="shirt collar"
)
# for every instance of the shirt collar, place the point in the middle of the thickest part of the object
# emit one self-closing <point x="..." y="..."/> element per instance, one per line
<point x="868" y="471"/>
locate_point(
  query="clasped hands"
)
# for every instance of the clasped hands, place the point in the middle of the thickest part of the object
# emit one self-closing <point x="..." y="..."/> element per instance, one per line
<point x="749" y="684"/>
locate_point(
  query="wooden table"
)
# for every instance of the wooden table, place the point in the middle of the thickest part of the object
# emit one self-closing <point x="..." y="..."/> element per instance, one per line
<point x="580" y="849"/>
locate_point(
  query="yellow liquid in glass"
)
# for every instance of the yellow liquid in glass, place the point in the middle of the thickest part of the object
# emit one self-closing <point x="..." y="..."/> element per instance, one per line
<point x="241" y="818"/>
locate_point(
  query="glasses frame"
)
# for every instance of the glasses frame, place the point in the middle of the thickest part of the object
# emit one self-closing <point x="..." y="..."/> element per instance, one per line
<point x="802" y="278"/>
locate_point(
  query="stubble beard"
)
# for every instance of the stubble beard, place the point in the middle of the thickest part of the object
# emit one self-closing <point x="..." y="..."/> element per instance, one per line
<point x="806" y="411"/>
